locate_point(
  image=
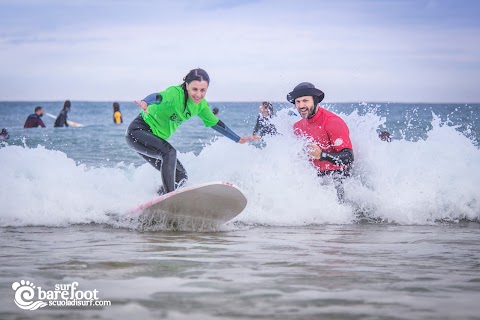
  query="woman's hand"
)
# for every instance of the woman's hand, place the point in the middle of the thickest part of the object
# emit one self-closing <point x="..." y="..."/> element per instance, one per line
<point x="142" y="104"/>
<point x="248" y="138"/>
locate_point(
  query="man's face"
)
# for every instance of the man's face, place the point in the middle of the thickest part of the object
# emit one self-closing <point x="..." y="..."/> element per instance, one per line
<point x="40" y="112"/>
<point x="305" y="106"/>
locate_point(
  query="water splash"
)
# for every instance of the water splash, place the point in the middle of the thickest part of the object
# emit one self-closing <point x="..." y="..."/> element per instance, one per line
<point x="407" y="182"/>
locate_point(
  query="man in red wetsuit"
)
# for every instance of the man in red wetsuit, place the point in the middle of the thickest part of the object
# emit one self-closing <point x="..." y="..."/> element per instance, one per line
<point x="331" y="149"/>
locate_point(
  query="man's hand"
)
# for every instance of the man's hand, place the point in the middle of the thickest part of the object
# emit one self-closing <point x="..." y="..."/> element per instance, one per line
<point x="314" y="151"/>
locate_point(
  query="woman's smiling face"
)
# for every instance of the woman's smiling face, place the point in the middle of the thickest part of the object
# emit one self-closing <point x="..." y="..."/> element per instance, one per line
<point x="197" y="90"/>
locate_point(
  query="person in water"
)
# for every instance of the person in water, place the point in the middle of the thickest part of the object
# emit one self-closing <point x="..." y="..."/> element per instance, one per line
<point x="4" y="134"/>
<point x="263" y="125"/>
<point x="330" y="149"/>
<point x="385" y="136"/>
<point x="162" y="113"/>
<point x="35" y="119"/>
<point x="117" y="115"/>
<point x="62" y="118"/>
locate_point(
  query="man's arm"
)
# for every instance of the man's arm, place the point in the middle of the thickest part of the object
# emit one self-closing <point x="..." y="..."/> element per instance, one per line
<point x="339" y="136"/>
<point x="342" y="158"/>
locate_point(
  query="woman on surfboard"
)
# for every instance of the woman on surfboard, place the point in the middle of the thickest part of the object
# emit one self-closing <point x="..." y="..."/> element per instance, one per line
<point x="162" y="113"/>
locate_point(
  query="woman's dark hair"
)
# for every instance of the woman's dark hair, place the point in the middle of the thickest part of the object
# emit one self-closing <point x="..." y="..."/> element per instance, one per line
<point x="194" y="74"/>
<point x="116" y="107"/>
<point x="268" y="105"/>
<point x="67" y="104"/>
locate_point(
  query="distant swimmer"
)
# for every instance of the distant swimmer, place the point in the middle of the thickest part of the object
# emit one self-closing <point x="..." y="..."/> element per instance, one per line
<point x="385" y="136"/>
<point x="62" y="118"/>
<point x="162" y="113"/>
<point x="263" y="125"/>
<point x="117" y="115"/>
<point x="4" y="134"/>
<point x="35" y="119"/>
<point x="331" y="151"/>
<point x="215" y="111"/>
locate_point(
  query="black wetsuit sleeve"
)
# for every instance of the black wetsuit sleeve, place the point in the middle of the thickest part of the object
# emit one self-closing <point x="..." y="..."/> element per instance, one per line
<point x="152" y="98"/>
<point x="226" y="131"/>
<point x="40" y="122"/>
<point x="342" y="158"/>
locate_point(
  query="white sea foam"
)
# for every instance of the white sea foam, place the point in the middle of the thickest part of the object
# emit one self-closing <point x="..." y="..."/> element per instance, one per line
<point x="45" y="187"/>
<point x="403" y="181"/>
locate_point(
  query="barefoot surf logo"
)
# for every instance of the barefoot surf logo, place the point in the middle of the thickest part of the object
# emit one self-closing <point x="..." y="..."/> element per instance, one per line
<point x="66" y="294"/>
<point x="24" y="293"/>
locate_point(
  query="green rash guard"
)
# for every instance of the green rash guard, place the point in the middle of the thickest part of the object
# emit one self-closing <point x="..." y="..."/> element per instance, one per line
<point x="165" y="117"/>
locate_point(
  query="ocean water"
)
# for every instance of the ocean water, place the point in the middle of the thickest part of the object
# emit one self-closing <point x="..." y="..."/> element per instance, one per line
<point x="404" y="245"/>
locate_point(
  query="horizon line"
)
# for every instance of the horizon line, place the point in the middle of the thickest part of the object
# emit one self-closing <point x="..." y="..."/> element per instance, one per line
<point x="252" y="101"/>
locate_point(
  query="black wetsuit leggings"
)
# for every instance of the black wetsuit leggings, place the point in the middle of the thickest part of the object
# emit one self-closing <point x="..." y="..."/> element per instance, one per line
<point x="158" y="152"/>
<point x="337" y="177"/>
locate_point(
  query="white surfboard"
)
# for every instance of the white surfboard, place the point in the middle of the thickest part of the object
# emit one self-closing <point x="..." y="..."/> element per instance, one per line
<point x="215" y="203"/>
<point x="70" y="123"/>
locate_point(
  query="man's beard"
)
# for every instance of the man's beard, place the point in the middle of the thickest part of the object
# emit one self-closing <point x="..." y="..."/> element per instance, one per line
<point x="312" y="112"/>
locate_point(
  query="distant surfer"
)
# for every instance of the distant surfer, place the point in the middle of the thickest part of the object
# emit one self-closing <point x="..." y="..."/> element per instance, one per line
<point x="117" y="115"/>
<point x="330" y="148"/>
<point x="162" y="113"/>
<point x="385" y="136"/>
<point x="263" y="126"/>
<point x="35" y="119"/>
<point x="4" y="134"/>
<point x="62" y="118"/>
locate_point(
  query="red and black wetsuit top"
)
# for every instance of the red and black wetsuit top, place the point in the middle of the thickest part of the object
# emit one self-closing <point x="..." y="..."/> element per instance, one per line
<point x="33" y="121"/>
<point x="330" y="133"/>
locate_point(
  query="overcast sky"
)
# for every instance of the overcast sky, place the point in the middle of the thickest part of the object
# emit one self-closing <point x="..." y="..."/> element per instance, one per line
<point x="354" y="50"/>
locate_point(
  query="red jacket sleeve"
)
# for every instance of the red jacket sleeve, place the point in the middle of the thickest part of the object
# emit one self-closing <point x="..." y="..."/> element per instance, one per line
<point x="338" y="133"/>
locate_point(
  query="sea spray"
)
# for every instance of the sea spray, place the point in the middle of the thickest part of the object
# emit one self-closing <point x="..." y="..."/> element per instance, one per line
<point x="408" y="181"/>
